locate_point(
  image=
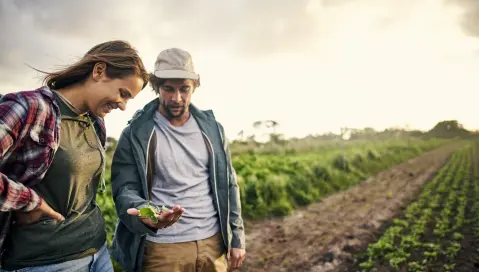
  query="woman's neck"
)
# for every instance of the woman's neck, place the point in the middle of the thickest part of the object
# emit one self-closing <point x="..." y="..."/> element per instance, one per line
<point x="76" y="96"/>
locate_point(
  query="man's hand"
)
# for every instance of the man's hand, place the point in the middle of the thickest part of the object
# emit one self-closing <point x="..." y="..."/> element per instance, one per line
<point x="236" y="257"/>
<point x="33" y="216"/>
<point x="165" y="219"/>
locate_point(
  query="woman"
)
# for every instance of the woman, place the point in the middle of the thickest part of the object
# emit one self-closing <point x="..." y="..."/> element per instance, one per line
<point x="52" y="160"/>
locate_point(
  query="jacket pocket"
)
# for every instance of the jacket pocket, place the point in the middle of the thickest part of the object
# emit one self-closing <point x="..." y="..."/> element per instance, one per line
<point x="222" y="173"/>
<point x="42" y="138"/>
<point x="43" y="145"/>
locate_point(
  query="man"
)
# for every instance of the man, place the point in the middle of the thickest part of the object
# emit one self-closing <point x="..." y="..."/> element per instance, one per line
<point x="174" y="154"/>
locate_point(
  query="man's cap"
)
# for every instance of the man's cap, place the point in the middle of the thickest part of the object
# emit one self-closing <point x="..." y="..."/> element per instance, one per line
<point x="175" y="63"/>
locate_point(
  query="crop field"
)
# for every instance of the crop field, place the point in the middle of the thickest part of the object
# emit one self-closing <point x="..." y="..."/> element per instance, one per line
<point x="276" y="186"/>
<point x="331" y="234"/>
<point x="440" y="230"/>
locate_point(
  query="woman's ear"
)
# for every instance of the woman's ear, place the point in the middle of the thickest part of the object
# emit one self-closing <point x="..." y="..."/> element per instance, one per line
<point x="99" y="71"/>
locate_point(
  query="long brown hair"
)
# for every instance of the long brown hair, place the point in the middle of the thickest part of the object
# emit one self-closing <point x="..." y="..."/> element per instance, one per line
<point x="120" y="57"/>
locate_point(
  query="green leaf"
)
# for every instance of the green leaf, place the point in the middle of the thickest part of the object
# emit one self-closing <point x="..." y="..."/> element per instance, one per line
<point x="150" y="213"/>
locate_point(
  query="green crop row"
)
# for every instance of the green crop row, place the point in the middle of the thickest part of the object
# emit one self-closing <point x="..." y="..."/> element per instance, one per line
<point x="442" y="205"/>
<point x="276" y="185"/>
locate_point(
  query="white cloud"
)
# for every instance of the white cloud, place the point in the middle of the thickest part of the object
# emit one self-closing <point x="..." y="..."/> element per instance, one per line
<point x="311" y="65"/>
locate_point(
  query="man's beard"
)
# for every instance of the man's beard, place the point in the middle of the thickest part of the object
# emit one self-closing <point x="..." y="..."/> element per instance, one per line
<point x="172" y="115"/>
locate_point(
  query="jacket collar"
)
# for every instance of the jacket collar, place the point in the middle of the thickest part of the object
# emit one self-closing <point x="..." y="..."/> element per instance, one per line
<point x="146" y="113"/>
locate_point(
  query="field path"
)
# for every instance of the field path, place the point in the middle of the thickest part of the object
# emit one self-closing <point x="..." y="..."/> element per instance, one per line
<point x="321" y="236"/>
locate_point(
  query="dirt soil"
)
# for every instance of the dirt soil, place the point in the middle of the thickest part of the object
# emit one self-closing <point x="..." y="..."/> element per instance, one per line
<point x="322" y="236"/>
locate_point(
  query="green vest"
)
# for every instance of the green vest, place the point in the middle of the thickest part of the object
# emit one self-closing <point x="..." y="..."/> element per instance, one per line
<point x="69" y="187"/>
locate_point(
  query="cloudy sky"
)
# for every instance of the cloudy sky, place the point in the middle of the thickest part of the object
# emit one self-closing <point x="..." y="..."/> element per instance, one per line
<point x="312" y="65"/>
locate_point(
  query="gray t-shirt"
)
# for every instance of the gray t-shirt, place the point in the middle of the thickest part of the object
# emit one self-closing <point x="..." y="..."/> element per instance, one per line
<point x="182" y="177"/>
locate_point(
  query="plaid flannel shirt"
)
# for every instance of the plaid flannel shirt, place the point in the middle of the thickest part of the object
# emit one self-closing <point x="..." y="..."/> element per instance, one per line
<point x="29" y="136"/>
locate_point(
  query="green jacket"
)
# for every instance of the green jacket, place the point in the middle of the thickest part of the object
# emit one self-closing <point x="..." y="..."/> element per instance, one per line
<point x="131" y="175"/>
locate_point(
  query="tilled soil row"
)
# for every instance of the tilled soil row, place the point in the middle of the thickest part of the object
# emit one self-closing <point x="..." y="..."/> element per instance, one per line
<point x="323" y="235"/>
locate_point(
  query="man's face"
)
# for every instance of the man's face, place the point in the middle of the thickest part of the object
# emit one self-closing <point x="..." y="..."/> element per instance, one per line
<point x="175" y="97"/>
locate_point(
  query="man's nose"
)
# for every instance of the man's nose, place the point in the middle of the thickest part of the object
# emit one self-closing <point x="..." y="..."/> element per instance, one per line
<point x="176" y="96"/>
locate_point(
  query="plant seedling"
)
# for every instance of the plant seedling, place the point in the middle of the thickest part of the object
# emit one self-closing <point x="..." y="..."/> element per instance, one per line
<point x="152" y="212"/>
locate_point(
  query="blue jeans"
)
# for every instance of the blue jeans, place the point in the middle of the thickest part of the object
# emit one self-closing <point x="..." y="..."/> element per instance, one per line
<point x="99" y="262"/>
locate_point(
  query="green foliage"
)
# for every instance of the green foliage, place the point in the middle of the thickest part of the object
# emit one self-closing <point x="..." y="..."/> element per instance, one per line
<point x="372" y="155"/>
<point x="341" y="163"/>
<point x="107" y="206"/>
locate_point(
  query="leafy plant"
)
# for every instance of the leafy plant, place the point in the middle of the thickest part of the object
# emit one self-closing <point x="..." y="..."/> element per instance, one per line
<point x="152" y="212"/>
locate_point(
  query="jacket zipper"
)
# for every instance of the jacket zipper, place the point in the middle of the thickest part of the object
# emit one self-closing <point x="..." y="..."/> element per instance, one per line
<point x="146" y="164"/>
<point x="214" y="181"/>
<point x="140" y="251"/>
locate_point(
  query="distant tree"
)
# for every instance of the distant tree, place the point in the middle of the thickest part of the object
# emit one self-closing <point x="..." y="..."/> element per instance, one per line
<point x="276" y="138"/>
<point x="448" y="129"/>
<point x="251" y="138"/>
<point x="257" y="124"/>
<point x="271" y="124"/>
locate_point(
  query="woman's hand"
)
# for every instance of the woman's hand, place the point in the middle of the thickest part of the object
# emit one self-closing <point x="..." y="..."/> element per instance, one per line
<point x="33" y="216"/>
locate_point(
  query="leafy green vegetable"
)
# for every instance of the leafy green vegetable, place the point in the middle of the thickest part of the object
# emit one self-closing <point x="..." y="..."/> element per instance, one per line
<point x="152" y="212"/>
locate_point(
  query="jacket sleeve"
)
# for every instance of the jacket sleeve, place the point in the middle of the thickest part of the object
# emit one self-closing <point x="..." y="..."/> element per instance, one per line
<point x="126" y="185"/>
<point x="13" y="122"/>
<point x="236" y="220"/>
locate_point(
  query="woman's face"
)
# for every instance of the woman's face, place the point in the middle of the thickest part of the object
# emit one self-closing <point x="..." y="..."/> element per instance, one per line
<point x="106" y="94"/>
